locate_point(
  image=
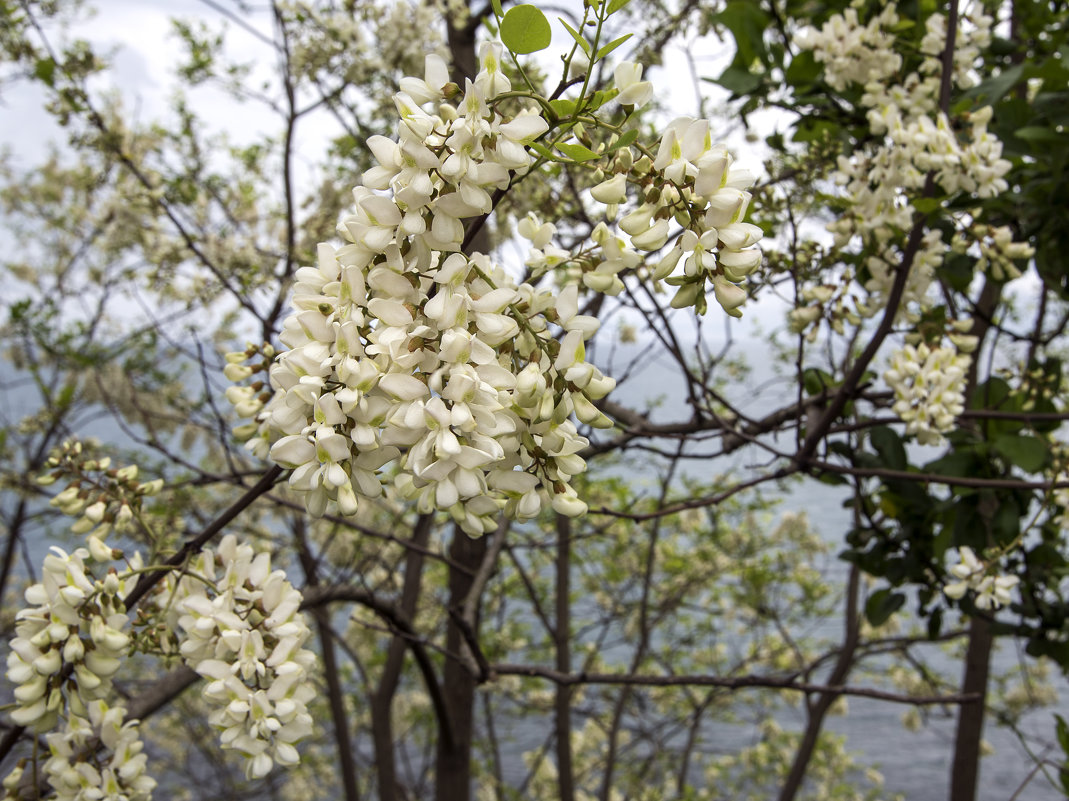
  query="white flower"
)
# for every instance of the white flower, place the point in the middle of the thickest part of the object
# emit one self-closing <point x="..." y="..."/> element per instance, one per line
<point x="245" y="635"/>
<point x="633" y="91"/>
<point x="929" y="386"/>
<point x="972" y="574"/>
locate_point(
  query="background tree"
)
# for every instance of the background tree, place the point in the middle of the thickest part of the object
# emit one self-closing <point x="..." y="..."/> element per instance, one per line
<point x="624" y="639"/>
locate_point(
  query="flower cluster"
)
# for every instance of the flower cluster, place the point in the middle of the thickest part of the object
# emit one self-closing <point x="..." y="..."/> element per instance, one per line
<point x="852" y="52"/>
<point x="913" y="140"/>
<point x="244" y="633"/>
<point x="999" y="251"/>
<point x="929" y="386"/>
<point x="102" y="498"/>
<point x="416" y="364"/>
<point x="695" y="183"/>
<point x="69" y="642"/>
<point x="78" y="770"/>
<point x="407" y="353"/>
<point x="68" y="645"/>
<point x="972" y="574"/>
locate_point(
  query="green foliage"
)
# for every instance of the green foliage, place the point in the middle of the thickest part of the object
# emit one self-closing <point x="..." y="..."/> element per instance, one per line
<point x="525" y="29"/>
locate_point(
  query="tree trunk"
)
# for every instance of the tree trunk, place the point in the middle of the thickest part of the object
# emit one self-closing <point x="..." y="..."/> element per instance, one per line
<point x="965" y="771"/>
<point x="382" y="700"/>
<point x="563" y="635"/>
<point x="453" y="766"/>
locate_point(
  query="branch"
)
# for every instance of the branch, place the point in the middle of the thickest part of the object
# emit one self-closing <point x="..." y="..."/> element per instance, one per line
<point x="318" y="596"/>
<point x="149" y="580"/>
<point x="934" y="478"/>
<point x="733" y="683"/>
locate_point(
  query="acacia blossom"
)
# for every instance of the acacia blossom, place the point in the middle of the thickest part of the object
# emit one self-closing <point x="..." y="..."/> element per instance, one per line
<point x="912" y="139"/>
<point x="78" y="770"/>
<point x="244" y="633"/>
<point x="69" y="643"/>
<point x="407" y="354"/>
<point x="929" y="387"/>
<point x="992" y="591"/>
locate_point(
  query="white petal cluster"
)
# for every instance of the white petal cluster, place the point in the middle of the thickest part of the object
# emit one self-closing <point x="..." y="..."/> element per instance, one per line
<point x="998" y="251"/>
<point x="992" y="591"/>
<point x="929" y="385"/>
<point x="692" y="195"/>
<point x="408" y="356"/>
<point x="852" y="52"/>
<point x="244" y="633"/>
<point x="68" y="643"/>
<point x="101" y="497"/>
<point x="912" y="139"/>
<point x="78" y="770"/>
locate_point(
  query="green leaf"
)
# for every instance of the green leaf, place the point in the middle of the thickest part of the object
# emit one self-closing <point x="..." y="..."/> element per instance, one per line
<point x="577" y="151"/>
<point x="600" y="98"/>
<point x="803" y="69"/>
<point x="496" y="5"/>
<point x="994" y="89"/>
<point x="813" y="130"/>
<point x="45" y="70"/>
<point x="615" y="6"/>
<point x="816" y="380"/>
<point x="626" y="139"/>
<point x="583" y="43"/>
<point x="1025" y="452"/>
<point x="882" y="604"/>
<point x="545" y="152"/>
<point x="1063" y="733"/>
<point x="1038" y="133"/>
<point x="957" y="270"/>
<point x="739" y="80"/>
<point x="747" y="23"/>
<point x="888" y="444"/>
<point x="959" y="464"/>
<point x="926" y="205"/>
<point x="525" y="29"/>
<point x="615" y="43"/>
<point x="935" y="624"/>
<point x="563" y="107"/>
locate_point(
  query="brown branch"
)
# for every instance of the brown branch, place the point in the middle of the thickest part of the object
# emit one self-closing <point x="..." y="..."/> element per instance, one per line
<point x="728" y="683"/>
<point x="382" y="698"/>
<point x="562" y="719"/>
<point x="934" y="478"/>
<point x="149" y="580"/>
<point x="698" y="503"/>
<point x="398" y="622"/>
<point x="335" y="696"/>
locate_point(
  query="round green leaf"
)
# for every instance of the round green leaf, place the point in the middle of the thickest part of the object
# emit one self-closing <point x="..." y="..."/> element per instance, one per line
<point x="525" y="29"/>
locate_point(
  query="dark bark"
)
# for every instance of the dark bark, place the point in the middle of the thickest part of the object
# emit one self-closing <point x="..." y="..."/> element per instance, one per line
<point x="562" y="635"/>
<point x="335" y="694"/>
<point x="453" y="762"/>
<point x="817" y="710"/>
<point x="965" y="770"/>
<point x="382" y="700"/>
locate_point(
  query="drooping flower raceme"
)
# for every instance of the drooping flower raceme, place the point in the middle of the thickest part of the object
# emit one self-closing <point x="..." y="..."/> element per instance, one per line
<point x="405" y="351"/>
<point x="411" y="358"/>
<point x="79" y="770"/>
<point x="69" y="643"/>
<point x="694" y="184"/>
<point x="911" y="140"/>
<point x="929" y="386"/>
<point x="244" y="633"/>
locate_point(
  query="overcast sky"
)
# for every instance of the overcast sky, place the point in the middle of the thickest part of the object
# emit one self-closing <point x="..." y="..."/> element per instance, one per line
<point x="143" y="53"/>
